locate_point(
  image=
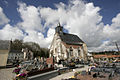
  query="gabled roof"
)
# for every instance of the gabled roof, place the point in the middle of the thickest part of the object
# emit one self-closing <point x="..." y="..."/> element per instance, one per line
<point x="106" y="56"/>
<point x="71" y="39"/>
<point x="15" y="51"/>
<point x="4" y="45"/>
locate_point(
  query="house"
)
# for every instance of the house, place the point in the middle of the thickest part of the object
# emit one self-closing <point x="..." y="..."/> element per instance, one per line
<point x="4" y="51"/>
<point x="19" y="54"/>
<point x="106" y="57"/>
<point x="9" y="55"/>
<point x="90" y="57"/>
<point x="15" y="55"/>
<point x="28" y="54"/>
<point x="67" y="46"/>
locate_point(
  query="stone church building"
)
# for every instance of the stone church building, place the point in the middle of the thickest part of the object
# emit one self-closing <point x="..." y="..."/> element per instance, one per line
<point x="66" y="46"/>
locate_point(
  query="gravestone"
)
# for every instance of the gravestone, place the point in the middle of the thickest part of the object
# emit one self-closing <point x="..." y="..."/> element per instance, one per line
<point x="83" y="73"/>
<point x="30" y="67"/>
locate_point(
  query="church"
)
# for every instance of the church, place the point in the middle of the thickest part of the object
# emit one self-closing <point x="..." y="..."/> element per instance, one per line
<point x="67" y="46"/>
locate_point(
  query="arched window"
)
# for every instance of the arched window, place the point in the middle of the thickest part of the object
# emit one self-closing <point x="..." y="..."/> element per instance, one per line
<point x="71" y="51"/>
<point x="78" y="51"/>
<point x="55" y="50"/>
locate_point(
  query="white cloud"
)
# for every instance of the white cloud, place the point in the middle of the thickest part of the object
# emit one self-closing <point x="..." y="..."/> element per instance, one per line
<point x="112" y="31"/>
<point x="32" y="25"/>
<point x="105" y="46"/>
<point x="30" y="16"/>
<point x="9" y="32"/>
<point x="77" y="17"/>
<point x="84" y="20"/>
<point x="38" y="37"/>
<point x="3" y="18"/>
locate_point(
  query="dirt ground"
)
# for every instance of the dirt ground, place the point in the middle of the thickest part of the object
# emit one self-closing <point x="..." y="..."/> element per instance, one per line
<point x="6" y="74"/>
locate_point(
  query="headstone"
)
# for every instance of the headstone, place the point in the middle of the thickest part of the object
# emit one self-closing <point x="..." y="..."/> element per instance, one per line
<point x="83" y="73"/>
<point x="29" y="68"/>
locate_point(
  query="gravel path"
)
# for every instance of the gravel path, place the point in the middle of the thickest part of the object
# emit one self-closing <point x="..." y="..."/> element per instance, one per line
<point x="6" y="74"/>
<point x="68" y="75"/>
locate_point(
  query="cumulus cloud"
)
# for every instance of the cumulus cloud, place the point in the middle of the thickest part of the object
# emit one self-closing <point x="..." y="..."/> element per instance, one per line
<point x="30" y="16"/>
<point x="9" y="32"/>
<point x="31" y="24"/>
<point x="78" y="17"/>
<point x="38" y="37"/>
<point x="3" y="18"/>
<point x="84" y="20"/>
<point x="112" y="31"/>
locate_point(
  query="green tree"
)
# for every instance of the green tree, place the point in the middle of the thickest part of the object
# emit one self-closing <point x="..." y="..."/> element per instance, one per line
<point x="44" y="52"/>
<point x="34" y="47"/>
<point x="16" y="44"/>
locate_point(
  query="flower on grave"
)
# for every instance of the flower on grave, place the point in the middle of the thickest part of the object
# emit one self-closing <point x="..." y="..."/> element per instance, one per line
<point x="21" y="76"/>
<point x="92" y="67"/>
<point x="17" y="75"/>
<point x="72" y="76"/>
<point x="16" y="71"/>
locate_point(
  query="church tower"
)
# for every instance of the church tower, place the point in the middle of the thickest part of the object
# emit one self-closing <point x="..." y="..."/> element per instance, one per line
<point x="59" y="29"/>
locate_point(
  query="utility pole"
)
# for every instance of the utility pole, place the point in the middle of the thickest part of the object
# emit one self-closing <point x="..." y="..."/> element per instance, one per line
<point x="117" y="46"/>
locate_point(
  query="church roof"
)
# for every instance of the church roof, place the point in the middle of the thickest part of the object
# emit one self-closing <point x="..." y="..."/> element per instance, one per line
<point x="71" y="39"/>
<point x="4" y="45"/>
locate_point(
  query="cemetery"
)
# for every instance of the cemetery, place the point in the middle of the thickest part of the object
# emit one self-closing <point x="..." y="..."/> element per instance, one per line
<point x="33" y="67"/>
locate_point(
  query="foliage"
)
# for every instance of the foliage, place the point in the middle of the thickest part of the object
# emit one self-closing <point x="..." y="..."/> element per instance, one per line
<point x="16" y="44"/>
<point x="44" y="52"/>
<point x="21" y="76"/>
<point x="32" y="46"/>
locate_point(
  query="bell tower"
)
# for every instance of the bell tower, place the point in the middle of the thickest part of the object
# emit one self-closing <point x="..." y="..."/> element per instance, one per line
<point x="59" y="29"/>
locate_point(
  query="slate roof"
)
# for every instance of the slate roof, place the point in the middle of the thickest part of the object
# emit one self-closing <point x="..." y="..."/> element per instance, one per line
<point x="15" y="51"/>
<point x="4" y="45"/>
<point x="71" y="39"/>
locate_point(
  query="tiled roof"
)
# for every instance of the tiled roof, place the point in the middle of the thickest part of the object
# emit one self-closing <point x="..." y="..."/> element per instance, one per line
<point x="4" y="45"/>
<point x="107" y="56"/>
<point x="71" y="39"/>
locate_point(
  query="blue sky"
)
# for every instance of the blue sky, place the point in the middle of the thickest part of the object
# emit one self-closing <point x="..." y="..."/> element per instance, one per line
<point x="10" y="7"/>
<point x="109" y="8"/>
<point x="95" y="21"/>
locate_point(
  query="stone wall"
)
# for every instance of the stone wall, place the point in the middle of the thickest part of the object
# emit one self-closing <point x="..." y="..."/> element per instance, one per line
<point x="3" y="57"/>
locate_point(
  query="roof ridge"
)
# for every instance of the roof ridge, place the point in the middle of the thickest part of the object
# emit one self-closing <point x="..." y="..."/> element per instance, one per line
<point x="71" y="39"/>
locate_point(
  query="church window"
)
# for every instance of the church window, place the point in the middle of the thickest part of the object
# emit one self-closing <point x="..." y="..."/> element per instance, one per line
<point x="55" y="50"/>
<point x="71" y="51"/>
<point x="78" y="51"/>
